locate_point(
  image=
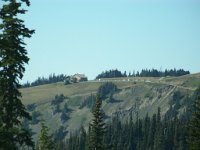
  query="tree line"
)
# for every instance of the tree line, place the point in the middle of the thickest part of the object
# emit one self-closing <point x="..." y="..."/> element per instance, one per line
<point x="149" y="133"/>
<point x="53" y="78"/>
<point x="143" y="73"/>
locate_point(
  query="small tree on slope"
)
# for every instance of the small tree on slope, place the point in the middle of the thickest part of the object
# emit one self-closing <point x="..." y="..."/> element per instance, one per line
<point x="45" y="140"/>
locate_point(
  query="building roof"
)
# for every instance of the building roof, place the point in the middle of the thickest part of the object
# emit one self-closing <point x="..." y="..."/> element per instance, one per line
<point x="79" y="75"/>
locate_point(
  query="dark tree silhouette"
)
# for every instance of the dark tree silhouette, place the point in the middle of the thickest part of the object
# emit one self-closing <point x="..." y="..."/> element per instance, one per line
<point x="97" y="127"/>
<point x="13" y="57"/>
<point x="194" y="126"/>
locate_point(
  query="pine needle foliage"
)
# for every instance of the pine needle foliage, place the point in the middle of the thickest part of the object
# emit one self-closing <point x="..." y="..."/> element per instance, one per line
<point x="13" y="57"/>
<point x="97" y="127"/>
<point x="45" y="140"/>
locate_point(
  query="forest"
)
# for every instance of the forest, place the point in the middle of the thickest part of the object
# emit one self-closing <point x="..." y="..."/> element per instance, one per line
<point x="143" y="73"/>
<point x="170" y="132"/>
<point x="42" y="80"/>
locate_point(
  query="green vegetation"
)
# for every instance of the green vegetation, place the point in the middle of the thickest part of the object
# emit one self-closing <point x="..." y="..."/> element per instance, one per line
<point x="194" y="126"/>
<point x="42" y="80"/>
<point x="148" y="95"/>
<point x="144" y="73"/>
<point x="35" y="115"/>
<point x="106" y="89"/>
<point x="65" y="113"/>
<point x="13" y="57"/>
<point x="88" y="102"/>
<point x="31" y="107"/>
<point x="111" y="74"/>
<point x="74" y="101"/>
<point x="45" y="93"/>
<point x="81" y="98"/>
<point x="97" y="127"/>
<point x="45" y="140"/>
<point x="127" y="96"/>
<point x="148" y="133"/>
<point x="58" y="99"/>
<point x="60" y="134"/>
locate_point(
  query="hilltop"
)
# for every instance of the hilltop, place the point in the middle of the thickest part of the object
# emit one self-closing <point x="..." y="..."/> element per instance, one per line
<point x="140" y="95"/>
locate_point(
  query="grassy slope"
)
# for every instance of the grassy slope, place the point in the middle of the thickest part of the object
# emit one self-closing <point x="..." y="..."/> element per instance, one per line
<point x="142" y="94"/>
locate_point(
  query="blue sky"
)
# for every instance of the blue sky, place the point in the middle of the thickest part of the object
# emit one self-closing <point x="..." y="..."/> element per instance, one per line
<point x="90" y="36"/>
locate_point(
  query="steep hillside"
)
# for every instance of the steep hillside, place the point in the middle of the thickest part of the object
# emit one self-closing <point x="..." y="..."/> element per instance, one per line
<point x="134" y="95"/>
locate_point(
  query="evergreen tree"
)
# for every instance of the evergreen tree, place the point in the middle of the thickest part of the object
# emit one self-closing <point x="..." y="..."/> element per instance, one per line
<point x="146" y="128"/>
<point x="13" y="57"/>
<point x="60" y="134"/>
<point x="106" y="89"/>
<point x="82" y="140"/>
<point x="97" y="127"/>
<point x="159" y="134"/>
<point x="65" y="113"/>
<point x="152" y="132"/>
<point x="131" y="142"/>
<point x="194" y="127"/>
<point x="142" y="134"/>
<point x="45" y="140"/>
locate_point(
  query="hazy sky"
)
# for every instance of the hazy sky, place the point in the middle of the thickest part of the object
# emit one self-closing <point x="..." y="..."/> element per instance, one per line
<point x="90" y="36"/>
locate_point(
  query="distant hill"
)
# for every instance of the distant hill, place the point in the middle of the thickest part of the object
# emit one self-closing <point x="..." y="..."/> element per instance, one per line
<point x="68" y="106"/>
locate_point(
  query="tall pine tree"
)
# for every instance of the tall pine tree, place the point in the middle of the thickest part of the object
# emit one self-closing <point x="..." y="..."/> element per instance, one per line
<point x="13" y="57"/>
<point x="97" y="127"/>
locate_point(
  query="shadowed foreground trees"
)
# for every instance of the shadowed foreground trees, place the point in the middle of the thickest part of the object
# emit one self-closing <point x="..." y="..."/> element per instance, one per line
<point x="149" y="133"/>
<point x="13" y="57"/>
<point x="194" y="126"/>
